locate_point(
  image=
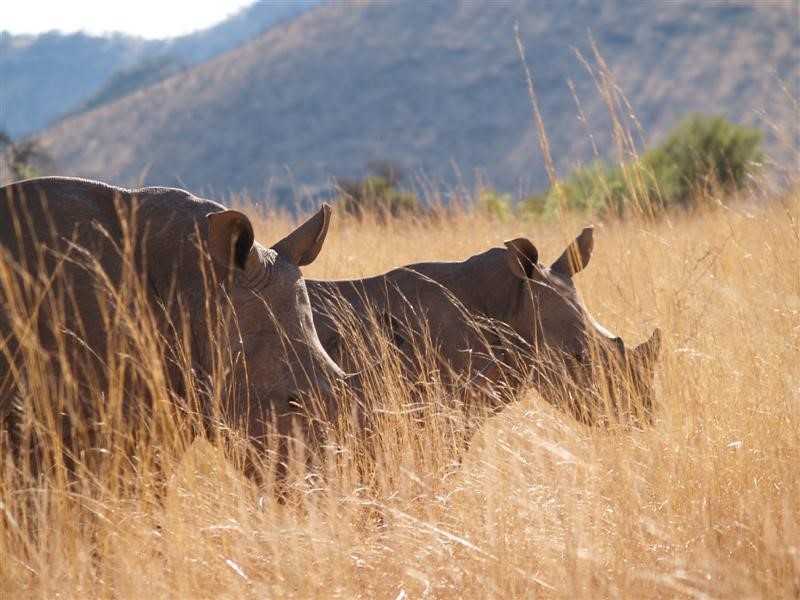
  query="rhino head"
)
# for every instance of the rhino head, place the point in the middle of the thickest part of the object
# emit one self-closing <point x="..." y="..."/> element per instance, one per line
<point x="279" y="364"/>
<point x="567" y="341"/>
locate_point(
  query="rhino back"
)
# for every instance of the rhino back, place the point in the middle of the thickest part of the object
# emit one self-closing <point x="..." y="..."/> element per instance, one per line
<point x="481" y="284"/>
<point x="57" y="212"/>
<point x="65" y="235"/>
<point x="436" y="298"/>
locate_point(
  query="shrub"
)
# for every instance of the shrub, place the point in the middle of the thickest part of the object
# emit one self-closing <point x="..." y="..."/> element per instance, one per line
<point x="592" y="188"/>
<point x="703" y="154"/>
<point x="493" y="204"/>
<point x="378" y="194"/>
<point x="24" y="159"/>
<point x="535" y="204"/>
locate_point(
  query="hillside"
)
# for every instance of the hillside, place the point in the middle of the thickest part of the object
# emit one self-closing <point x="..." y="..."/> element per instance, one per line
<point x="439" y="88"/>
<point x="46" y="76"/>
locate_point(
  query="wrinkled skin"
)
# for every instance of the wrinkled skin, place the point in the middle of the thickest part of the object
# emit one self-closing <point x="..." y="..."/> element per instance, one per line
<point x="182" y="244"/>
<point x="530" y="323"/>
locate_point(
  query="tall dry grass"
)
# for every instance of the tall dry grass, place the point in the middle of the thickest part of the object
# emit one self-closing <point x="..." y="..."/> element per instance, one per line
<point x="703" y="503"/>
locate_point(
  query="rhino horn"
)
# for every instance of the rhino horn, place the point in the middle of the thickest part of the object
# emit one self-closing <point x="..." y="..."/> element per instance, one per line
<point x="647" y="352"/>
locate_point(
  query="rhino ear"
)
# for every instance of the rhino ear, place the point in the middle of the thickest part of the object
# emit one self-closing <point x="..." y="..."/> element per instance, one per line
<point x="647" y="352"/>
<point x="303" y="244"/>
<point x="230" y="237"/>
<point x="577" y="254"/>
<point x="523" y="258"/>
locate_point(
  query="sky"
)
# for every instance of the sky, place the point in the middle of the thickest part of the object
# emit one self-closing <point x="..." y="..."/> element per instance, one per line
<point x="145" y="18"/>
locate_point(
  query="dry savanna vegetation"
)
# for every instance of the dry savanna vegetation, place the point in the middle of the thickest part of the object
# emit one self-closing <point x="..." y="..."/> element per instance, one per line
<point x="703" y="502"/>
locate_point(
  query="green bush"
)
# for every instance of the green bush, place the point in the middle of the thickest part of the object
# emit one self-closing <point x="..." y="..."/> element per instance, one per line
<point x="535" y="205"/>
<point x="376" y="195"/>
<point x="594" y="189"/>
<point x="702" y="155"/>
<point x="495" y="205"/>
<point x="24" y="159"/>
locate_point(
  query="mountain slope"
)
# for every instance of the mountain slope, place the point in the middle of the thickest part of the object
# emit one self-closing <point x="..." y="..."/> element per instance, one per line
<point x="437" y="87"/>
<point x="46" y="76"/>
<point x="43" y="76"/>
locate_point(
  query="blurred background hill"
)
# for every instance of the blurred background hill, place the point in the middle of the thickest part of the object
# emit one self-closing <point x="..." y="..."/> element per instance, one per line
<point x="436" y="88"/>
<point x="45" y="77"/>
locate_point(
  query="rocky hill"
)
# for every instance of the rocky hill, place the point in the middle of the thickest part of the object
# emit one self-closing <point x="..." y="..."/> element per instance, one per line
<point x="45" y="77"/>
<point x="438" y="87"/>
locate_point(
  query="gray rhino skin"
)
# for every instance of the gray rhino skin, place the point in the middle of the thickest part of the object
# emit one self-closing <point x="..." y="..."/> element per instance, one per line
<point x="271" y="333"/>
<point x="517" y="301"/>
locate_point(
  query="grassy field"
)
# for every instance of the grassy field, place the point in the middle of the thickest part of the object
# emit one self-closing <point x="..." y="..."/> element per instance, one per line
<point x="703" y="503"/>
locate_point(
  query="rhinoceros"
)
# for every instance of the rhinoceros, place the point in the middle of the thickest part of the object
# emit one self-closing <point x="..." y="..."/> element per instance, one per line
<point x="493" y="316"/>
<point x="67" y="248"/>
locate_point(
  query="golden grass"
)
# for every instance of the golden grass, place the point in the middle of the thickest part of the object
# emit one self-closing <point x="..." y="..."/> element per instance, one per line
<point x="703" y="503"/>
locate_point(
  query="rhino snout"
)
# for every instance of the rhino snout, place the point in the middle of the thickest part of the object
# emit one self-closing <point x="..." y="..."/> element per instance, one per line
<point x="323" y="379"/>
